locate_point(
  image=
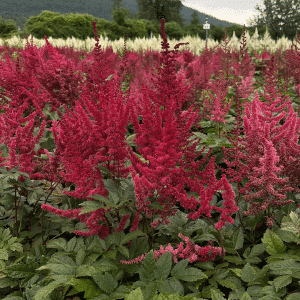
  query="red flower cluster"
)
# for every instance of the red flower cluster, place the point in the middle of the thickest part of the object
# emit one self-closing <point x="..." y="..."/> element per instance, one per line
<point x="92" y="134"/>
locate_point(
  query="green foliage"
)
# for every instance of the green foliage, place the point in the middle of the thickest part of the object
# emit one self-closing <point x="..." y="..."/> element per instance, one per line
<point x="69" y="25"/>
<point x="7" y="28"/>
<point x="173" y="30"/>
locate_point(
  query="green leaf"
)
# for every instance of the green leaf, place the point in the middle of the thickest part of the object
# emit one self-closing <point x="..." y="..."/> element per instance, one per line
<point x="104" y="265"/>
<point x="85" y="270"/>
<point x="234" y="259"/>
<point x="131" y="236"/>
<point x="60" y="264"/>
<point x="102" y="199"/>
<point x="257" y="250"/>
<point x="294" y="296"/>
<point x="135" y="294"/>
<point x="237" y="272"/>
<point x="114" y="198"/>
<point x="59" y="243"/>
<point x="190" y="274"/>
<point x="5" y="236"/>
<point x="71" y="244"/>
<point x="238" y="239"/>
<point x="90" y="206"/>
<point x="45" y="291"/>
<point x="170" y="285"/>
<point x="227" y="284"/>
<point x="105" y="281"/>
<point x="112" y="186"/>
<point x="147" y="270"/>
<point x="281" y="281"/>
<point x="215" y="295"/>
<point x="95" y="244"/>
<point x="274" y="244"/>
<point x="163" y="266"/>
<point x="80" y="257"/>
<point x="246" y="296"/>
<point x="3" y="254"/>
<point x="85" y="285"/>
<point x="179" y="267"/>
<point x="248" y="274"/>
<point x="16" y="247"/>
<point x="285" y="267"/>
<point x="123" y="250"/>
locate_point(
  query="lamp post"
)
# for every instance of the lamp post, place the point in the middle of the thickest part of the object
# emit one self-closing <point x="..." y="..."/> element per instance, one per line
<point x="206" y="26"/>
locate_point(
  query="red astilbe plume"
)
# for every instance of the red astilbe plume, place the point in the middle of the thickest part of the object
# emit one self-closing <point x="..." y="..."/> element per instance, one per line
<point x="19" y="139"/>
<point x="162" y="143"/>
<point x="192" y="252"/>
<point x="83" y="143"/>
<point x="261" y="131"/>
<point x="259" y="143"/>
<point x="58" y="77"/>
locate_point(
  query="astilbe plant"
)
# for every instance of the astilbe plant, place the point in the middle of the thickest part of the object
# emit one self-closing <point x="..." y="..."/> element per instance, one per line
<point x="160" y="140"/>
<point x="264" y="154"/>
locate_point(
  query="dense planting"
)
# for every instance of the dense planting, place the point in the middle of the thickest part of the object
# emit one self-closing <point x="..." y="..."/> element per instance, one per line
<point x="151" y="176"/>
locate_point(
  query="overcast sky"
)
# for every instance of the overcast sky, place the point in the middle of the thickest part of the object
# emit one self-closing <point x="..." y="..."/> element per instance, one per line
<point x="236" y="11"/>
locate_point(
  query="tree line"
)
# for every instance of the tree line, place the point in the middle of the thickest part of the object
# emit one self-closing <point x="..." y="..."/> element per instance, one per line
<point x="279" y="16"/>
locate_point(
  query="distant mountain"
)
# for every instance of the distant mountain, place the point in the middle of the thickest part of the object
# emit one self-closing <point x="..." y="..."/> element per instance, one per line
<point x="20" y="10"/>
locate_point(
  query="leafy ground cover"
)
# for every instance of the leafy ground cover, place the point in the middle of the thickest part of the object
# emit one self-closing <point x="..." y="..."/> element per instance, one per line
<point x="234" y="232"/>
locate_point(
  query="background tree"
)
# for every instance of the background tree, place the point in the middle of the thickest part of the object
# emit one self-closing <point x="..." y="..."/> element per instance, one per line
<point x="116" y="4"/>
<point x="157" y="9"/>
<point x="129" y="14"/>
<point x="195" y="20"/>
<point x="281" y="17"/>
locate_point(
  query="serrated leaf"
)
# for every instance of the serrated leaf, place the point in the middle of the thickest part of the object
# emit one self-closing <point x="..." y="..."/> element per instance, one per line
<point x="85" y="270"/>
<point x="90" y="206"/>
<point x="147" y="271"/>
<point x="238" y="239"/>
<point x="258" y="249"/>
<point x="248" y="273"/>
<point x="246" y="296"/>
<point x="190" y="274"/>
<point x="123" y="250"/>
<point x="43" y="292"/>
<point x="80" y="257"/>
<point x="285" y="267"/>
<point x="87" y="286"/>
<point x="5" y="236"/>
<point x="289" y="226"/>
<point x="59" y="243"/>
<point x="294" y="296"/>
<point x="132" y="235"/>
<point x="282" y="281"/>
<point x="3" y="254"/>
<point x="180" y="266"/>
<point x="105" y="281"/>
<point x="294" y="217"/>
<point x="112" y="186"/>
<point x="234" y="259"/>
<point x="238" y="272"/>
<point x="114" y="198"/>
<point x="215" y="295"/>
<point x="71" y="244"/>
<point x="274" y="244"/>
<point x="105" y="265"/>
<point x="227" y="284"/>
<point x="16" y="247"/>
<point x="163" y="266"/>
<point x="135" y="294"/>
